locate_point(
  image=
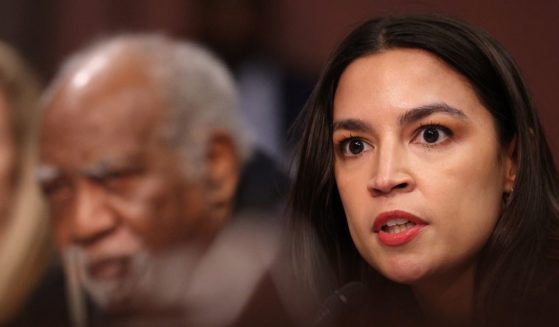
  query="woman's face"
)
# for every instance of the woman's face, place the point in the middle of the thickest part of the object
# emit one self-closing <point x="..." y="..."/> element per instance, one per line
<point x="418" y="165"/>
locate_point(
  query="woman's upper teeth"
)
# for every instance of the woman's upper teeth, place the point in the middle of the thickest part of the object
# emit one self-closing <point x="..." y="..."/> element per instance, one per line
<point x="397" y="221"/>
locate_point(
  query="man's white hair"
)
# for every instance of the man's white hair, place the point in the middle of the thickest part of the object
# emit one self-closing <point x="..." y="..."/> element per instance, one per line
<point x="197" y="87"/>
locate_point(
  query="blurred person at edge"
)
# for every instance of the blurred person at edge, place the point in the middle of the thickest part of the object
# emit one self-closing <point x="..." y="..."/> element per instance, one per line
<point x="143" y="162"/>
<point x="24" y="232"/>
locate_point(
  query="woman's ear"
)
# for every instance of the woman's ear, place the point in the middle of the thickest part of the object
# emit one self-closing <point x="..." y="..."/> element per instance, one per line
<point x="223" y="171"/>
<point x="510" y="165"/>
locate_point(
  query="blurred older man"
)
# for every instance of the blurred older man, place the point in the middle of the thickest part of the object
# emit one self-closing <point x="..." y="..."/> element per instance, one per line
<point x="141" y="152"/>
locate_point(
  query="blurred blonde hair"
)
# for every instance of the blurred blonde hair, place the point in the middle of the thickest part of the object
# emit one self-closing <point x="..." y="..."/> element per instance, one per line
<point x="25" y="238"/>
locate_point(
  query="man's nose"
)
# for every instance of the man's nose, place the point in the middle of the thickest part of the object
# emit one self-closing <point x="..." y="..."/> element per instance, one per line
<point x="391" y="171"/>
<point x="92" y="218"/>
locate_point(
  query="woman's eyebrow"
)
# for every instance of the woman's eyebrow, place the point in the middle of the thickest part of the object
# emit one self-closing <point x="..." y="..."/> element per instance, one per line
<point x="418" y="113"/>
<point x="409" y="116"/>
<point x="356" y="125"/>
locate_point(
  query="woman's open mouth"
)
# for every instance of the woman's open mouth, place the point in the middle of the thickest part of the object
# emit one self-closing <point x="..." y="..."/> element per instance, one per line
<point x="397" y="225"/>
<point x="396" y="228"/>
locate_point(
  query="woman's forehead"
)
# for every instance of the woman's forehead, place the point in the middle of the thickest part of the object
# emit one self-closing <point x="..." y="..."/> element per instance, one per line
<point x="401" y="79"/>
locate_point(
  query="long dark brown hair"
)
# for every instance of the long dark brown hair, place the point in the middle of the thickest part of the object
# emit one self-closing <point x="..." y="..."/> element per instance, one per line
<point x="514" y="257"/>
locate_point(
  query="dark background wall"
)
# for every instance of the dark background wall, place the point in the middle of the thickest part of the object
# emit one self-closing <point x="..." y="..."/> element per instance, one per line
<point x="297" y="34"/>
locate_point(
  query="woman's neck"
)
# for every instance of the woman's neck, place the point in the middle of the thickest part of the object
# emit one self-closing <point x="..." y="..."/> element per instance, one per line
<point x="447" y="301"/>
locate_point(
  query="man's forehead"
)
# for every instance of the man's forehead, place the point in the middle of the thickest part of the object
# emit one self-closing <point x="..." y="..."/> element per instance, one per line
<point x="88" y="70"/>
<point x="107" y="80"/>
<point x="109" y="68"/>
<point x="77" y="149"/>
<point x="110" y="108"/>
<point x="118" y="104"/>
<point x="106" y="109"/>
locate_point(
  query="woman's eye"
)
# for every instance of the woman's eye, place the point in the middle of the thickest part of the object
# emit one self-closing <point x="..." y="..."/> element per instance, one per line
<point x="432" y="135"/>
<point x="353" y="147"/>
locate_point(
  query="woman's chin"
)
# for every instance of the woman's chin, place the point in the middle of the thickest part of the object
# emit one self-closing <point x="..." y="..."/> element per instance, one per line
<point x="406" y="272"/>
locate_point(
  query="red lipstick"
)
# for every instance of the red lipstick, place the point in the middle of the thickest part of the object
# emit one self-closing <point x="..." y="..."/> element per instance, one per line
<point x="396" y="228"/>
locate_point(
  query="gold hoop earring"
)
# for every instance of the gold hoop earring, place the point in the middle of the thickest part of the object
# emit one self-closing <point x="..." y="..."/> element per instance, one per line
<point x="507" y="196"/>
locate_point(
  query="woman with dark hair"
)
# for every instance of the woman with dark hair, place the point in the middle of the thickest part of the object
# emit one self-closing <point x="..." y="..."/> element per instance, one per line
<point x="423" y="172"/>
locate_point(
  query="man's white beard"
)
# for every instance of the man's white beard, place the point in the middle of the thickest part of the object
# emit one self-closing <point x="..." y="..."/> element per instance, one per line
<point x="153" y="283"/>
<point x="209" y="288"/>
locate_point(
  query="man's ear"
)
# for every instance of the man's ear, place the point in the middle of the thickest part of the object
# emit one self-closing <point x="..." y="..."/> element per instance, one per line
<point x="223" y="171"/>
<point x="510" y="165"/>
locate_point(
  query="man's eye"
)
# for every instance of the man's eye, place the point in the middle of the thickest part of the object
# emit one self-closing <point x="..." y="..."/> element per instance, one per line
<point x="120" y="180"/>
<point x="432" y="135"/>
<point x="352" y="147"/>
<point x="57" y="190"/>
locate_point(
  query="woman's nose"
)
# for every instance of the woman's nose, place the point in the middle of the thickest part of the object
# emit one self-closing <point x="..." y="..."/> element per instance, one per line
<point x="391" y="172"/>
